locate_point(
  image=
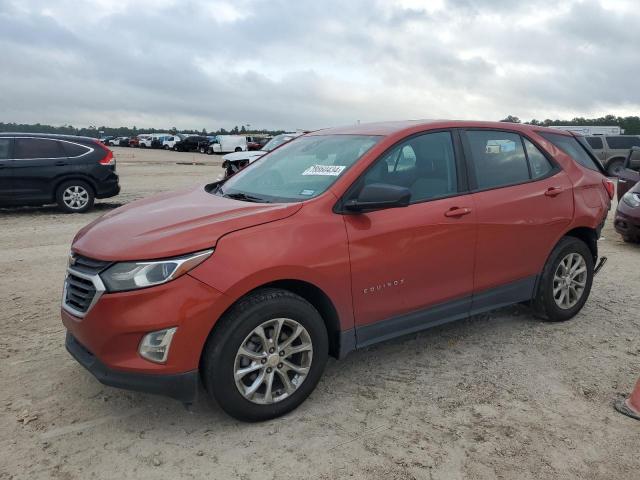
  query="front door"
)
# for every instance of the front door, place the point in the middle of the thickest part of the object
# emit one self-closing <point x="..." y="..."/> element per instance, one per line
<point x="408" y="259"/>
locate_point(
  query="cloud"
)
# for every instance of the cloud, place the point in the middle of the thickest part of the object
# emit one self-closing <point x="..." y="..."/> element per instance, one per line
<point x="310" y="64"/>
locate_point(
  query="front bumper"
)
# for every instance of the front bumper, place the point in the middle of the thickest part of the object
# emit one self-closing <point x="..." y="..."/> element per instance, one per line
<point x="625" y="224"/>
<point x="181" y="386"/>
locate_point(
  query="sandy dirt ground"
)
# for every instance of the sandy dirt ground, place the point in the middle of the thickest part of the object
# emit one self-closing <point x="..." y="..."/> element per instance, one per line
<point x="502" y="395"/>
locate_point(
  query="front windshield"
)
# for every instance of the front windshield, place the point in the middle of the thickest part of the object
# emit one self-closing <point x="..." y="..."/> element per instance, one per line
<point x="299" y="170"/>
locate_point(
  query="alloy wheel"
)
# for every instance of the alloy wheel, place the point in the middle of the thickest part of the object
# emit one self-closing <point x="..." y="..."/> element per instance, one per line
<point x="273" y="361"/>
<point x="570" y="280"/>
<point x="75" y="197"/>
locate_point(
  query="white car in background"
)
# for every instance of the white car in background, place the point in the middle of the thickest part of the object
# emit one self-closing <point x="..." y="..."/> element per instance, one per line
<point x="233" y="162"/>
<point x="170" y="140"/>
<point x="144" y="141"/>
<point x="227" y="143"/>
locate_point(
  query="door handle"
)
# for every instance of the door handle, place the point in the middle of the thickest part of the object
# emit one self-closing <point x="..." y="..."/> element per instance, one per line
<point x="457" y="212"/>
<point x="553" y="191"/>
<point x="61" y="164"/>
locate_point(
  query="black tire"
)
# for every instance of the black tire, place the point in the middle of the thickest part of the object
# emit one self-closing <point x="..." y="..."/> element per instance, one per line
<point x="166" y="147"/>
<point x="203" y="150"/>
<point x="176" y="149"/>
<point x="615" y="166"/>
<point x="209" y="151"/>
<point x="544" y="304"/>
<point x="238" y="149"/>
<point x="74" y="186"/>
<point x="628" y="239"/>
<point x="219" y="354"/>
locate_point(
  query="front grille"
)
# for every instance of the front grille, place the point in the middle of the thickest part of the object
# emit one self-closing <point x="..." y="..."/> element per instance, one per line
<point x="80" y="292"/>
<point x="83" y="286"/>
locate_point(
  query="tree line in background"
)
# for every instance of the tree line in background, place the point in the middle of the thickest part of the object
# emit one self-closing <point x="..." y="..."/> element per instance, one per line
<point x="96" y="132"/>
<point x="630" y="125"/>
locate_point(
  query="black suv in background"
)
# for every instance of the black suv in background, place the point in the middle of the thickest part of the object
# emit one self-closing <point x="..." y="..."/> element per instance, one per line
<point x="190" y="144"/>
<point x="37" y="169"/>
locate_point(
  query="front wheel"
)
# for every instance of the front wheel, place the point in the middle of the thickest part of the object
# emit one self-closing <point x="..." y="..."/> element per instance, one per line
<point x="266" y="356"/>
<point x="238" y="149"/>
<point x="566" y="281"/>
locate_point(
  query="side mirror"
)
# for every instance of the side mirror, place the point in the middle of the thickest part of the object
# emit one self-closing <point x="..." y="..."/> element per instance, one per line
<point x="379" y="196"/>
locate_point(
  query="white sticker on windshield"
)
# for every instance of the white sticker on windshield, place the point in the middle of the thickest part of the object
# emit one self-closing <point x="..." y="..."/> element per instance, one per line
<point x="307" y="192"/>
<point x="330" y="170"/>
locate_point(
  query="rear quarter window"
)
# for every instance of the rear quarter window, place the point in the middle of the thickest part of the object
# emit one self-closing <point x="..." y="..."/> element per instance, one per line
<point x="74" y="149"/>
<point x="571" y="147"/>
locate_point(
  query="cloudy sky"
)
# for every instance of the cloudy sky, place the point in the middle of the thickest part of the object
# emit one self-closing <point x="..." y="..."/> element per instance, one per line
<point x="310" y="64"/>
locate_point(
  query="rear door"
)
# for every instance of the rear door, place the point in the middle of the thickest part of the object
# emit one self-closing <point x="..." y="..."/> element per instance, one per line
<point x="6" y="187"/>
<point x="630" y="174"/>
<point x="38" y="161"/>
<point x="524" y="202"/>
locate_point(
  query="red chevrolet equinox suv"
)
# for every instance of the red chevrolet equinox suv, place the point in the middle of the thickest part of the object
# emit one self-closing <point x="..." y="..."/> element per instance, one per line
<point x="340" y="239"/>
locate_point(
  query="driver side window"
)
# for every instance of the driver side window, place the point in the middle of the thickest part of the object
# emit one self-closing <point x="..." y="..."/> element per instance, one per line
<point x="425" y="164"/>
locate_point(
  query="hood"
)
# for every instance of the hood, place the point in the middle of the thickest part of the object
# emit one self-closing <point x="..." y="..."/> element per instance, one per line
<point x="172" y="224"/>
<point x="249" y="155"/>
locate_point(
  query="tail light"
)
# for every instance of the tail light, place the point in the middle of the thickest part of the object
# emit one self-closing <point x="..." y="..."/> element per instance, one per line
<point x="609" y="187"/>
<point x="108" y="159"/>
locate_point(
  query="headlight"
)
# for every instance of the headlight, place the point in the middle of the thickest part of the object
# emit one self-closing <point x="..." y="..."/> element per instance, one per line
<point x="632" y="199"/>
<point x="134" y="275"/>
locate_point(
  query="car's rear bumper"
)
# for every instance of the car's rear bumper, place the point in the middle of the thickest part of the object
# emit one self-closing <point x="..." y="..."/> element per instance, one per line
<point x="181" y="386"/>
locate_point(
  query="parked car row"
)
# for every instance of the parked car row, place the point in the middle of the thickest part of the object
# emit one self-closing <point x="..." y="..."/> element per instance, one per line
<point x="180" y="142"/>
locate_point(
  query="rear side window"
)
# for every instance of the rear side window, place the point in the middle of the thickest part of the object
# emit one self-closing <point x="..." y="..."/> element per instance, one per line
<point x="498" y="158"/>
<point x="595" y="142"/>
<point x="623" y="143"/>
<point x="26" y="148"/>
<point x="571" y="147"/>
<point x="5" y="145"/>
<point x="74" y="149"/>
<point x="539" y="164"/>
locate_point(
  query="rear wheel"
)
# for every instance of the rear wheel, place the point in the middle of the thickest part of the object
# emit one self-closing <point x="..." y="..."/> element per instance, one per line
<point x="266" y="356"/>
<point x="566" y="281"/>
<point x="238" y="149"/>
<point x="615" y="167"/>
<point x="75" y="196"/>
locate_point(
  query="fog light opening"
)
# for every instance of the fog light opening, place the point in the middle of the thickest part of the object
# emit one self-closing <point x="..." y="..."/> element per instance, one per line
<point x="155" y="345"/>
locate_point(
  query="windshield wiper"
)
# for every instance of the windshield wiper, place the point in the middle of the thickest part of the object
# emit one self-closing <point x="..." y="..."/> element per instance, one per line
<point x="244" y="197"/>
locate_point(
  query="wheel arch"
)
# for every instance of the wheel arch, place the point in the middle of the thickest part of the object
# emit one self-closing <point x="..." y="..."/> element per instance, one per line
<point x="70" y="177"/>
<point x="316" y="297"/>
<point x="587" y="235"/>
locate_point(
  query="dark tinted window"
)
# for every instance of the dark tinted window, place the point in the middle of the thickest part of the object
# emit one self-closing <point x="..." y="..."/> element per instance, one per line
<point x="595" y="142"/>
<point x="74" y="149"/>
<point x="5" y="146"/>
<point x="38" y="148"/>
<point x="571" y="147"/>
<point x="498" y="158"/>
<point x="425" y="164"/>
<point x="623" y="143"/>
<point x="539" y="164"/>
